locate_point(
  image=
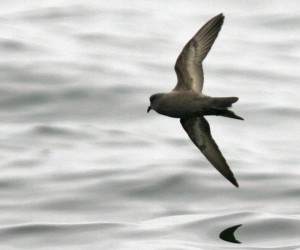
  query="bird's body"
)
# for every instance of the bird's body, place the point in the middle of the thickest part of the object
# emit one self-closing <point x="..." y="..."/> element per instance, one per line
<point x="187" y="102"/>
<point x="175" y="104"/>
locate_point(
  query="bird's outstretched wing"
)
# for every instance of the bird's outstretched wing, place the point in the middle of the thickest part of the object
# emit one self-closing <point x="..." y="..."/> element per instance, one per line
<point x="188" y="66"/>
<point x="199" y="132"/>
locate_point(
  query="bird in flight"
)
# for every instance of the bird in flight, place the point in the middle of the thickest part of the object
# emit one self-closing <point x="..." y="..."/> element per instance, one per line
<point x="187" y="102"/>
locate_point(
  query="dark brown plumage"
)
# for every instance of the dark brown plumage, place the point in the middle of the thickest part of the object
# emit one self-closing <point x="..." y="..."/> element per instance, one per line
<point x="187" y="102"/>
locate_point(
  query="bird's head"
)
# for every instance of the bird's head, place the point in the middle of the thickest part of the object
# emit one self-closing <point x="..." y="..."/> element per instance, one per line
<point x="154" y="101"/>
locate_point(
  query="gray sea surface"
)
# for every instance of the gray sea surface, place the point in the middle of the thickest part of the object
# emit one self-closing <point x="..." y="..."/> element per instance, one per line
<point x="83" y="166"/>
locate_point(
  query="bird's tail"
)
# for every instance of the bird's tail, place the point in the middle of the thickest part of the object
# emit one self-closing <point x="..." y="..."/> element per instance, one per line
<point x="222" y="102"/>
<point x="220" y="105"/>
<point x="229" y="114"/>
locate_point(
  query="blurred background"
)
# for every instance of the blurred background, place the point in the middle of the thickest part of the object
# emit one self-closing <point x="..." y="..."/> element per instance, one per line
<point x="83" y="166"/>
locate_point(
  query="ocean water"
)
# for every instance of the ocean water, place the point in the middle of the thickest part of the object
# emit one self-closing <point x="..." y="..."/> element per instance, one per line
<point x="83" y="166"/>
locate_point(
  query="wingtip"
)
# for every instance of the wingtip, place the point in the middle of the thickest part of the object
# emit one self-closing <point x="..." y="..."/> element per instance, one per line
<point x="232" y="179"/>
<point x="221" y="15"/>
<point x="219" y="18"/>
<point x="235" y="183"/>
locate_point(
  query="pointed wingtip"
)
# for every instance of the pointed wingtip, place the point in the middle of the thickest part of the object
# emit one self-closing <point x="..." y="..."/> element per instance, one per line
<point x="234" y="182"/>
<point x="232" y="179"/>
<point x="221" y="15"/>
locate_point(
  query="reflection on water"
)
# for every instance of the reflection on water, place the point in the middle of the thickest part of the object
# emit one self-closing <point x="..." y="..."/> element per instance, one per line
<point x="84" y="164"/>
<point x="228" y="234"/>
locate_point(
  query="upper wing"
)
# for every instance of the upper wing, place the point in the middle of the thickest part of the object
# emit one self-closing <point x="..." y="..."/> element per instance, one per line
<point x="199" y="132"/>
<point x="188" y="66"/>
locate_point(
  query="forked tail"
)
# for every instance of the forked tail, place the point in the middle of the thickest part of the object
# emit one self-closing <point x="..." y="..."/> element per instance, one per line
<point x="223" y="102"/>
<point x="220" y="107"/>
<point x="229" y="114"/>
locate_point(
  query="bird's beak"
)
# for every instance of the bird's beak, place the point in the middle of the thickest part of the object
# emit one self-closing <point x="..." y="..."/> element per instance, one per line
<point x="149" y="108"/>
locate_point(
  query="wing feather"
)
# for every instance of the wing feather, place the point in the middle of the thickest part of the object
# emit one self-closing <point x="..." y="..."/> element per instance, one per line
<point x="188" y="66"/>
<point x="199" y="132"/>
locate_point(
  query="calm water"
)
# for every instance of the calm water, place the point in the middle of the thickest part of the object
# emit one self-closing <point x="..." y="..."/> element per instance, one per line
<point x="84" y="167"/>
